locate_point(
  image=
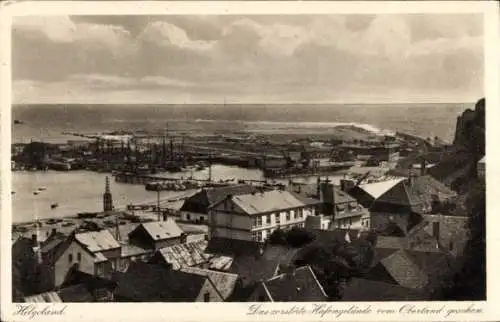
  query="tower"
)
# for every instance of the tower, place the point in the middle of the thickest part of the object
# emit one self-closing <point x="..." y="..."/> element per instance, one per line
<point x="107" y="197"/>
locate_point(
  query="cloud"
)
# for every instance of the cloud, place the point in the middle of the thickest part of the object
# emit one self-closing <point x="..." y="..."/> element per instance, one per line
<point x="254" y="58"/>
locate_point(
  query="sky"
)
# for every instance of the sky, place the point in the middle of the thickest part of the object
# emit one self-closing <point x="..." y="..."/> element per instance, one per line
<point x="248" y="59"/>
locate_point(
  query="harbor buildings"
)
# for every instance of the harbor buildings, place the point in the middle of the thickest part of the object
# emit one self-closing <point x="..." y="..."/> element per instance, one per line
<point x="254" y="216"/>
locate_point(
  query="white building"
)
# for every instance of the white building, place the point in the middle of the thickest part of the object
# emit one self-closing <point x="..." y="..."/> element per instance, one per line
<point x="254" y="216"/>
<point x="481" y="168"/>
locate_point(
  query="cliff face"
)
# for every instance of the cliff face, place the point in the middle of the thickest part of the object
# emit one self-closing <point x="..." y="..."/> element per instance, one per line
<point x="470" y="130"/>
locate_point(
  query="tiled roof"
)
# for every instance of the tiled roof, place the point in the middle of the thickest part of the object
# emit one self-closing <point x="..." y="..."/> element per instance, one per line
<point x="220" y="262"/>
<point x="300" y="286"/>
<point x="75" y="294"/>
<point x="52" y="242"/>
<point x="97" y="241"/>
<point x="185" y="255"/>
<point x="231" y="247"/>
<point x="405" y="272"/>
<point x="377" y="189"/>
<point x="133" y="250"/>
<point x="252" y="268"/>
<point x="159" y="230"/>
<point x="70" y="294"/>
<point x="154" y="283"/>
<point x="48" y="297"/>
<point x="208" y="196"/>
<point x="224" y="282"/>
<point x="368" y="291"/>
<point x="401" y="194"/>
<point x="267" y="201"/>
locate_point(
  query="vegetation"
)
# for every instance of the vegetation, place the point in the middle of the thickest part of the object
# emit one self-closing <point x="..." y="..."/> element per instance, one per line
<point x="295" y="237"/>
<point x="469" y="283"/>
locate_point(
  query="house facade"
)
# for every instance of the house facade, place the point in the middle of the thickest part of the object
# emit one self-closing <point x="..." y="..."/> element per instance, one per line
<point x="253" y="217"/>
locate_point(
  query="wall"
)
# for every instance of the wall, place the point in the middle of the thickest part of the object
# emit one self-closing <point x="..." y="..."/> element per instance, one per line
<point x="381" y="220"/>
<point x="167" y="242"/>
<point x="62" y="265"/>
<point x="209" y="288"/>
<point x="453" y="232"/>
<point x="193" y="216"/>
<point x="353" y="222"/>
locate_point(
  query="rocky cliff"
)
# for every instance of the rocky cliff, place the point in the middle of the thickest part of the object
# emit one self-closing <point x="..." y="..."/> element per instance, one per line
<point x="470" y="130"/>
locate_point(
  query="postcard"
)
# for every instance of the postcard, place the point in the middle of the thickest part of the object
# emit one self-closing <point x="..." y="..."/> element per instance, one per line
<point x="242" y="161"/>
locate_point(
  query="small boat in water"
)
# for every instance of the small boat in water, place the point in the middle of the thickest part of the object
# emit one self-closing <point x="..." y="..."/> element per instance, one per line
<point x="36" y="193"/>
<point x="54" y="205"/>
<point x="42" y="188"/>
<point x="12" y="192"/>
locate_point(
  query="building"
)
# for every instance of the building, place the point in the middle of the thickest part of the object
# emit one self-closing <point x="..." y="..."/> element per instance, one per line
<point x="295" y="285"/>
<point x="24" y="264"/>
<point x="94" y="252"/>
<point x="156" y="234"/>
<point x="344" y="211"/>
<point x="225" y="283"/>
<point x="182" y="255"/>
<point x="255" y="216"/>
<point x="481" y="168"/>
<point x="195" y="208"/>
<point x="144" y="282"/>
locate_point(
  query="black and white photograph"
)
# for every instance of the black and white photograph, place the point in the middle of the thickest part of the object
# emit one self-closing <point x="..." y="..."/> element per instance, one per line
<point x="298" y="157"/>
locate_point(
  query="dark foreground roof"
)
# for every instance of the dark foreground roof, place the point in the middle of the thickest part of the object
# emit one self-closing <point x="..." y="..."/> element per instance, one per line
<point x="299" y="286"/>
<point x="153" y="283"/>
<point x="366" y="290"/>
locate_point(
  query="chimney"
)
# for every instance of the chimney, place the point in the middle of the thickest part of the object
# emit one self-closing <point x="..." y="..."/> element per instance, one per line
<point x="423" y="169"/>
<point x="183" y="238"/>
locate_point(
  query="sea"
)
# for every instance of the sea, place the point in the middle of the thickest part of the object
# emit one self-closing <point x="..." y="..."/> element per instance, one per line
<point x="81" y="191"/>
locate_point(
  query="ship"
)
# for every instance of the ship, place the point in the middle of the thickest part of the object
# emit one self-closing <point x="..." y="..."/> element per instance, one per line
<point x="54" y="205"/>
<point x="18" y="122"/>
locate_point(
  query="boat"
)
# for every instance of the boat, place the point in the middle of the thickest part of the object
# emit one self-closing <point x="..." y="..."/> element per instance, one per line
<point x="12" y="192"/>
<point x="36" y="192"/>
<point x="18" y="122"/>
<point x="42" y="188"/>
<point x="54" y="205"/>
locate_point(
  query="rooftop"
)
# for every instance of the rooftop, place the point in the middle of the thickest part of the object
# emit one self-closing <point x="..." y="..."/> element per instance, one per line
<point x="159" y="230"/>
<point x="155" y="283"/>
<point x="267" y="201"/>
<point x="366" y="290"/>
<point x="377" y="189"/>
<point x="97" y="241"/>
<point x="185" y="255"/>
<point x="301" y="285"/>
<point x="224" y="282"/>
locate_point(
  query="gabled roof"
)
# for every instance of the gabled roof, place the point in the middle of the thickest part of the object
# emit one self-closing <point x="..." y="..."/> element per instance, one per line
<point x="154" y="283"/>
<point x="368" y="291"/>
<point x="185" y="255"/>
<point x="52" y="242"/>
<point x="159" y="230"/>
<point x="267" y="201"/>
<point x="224" y="282"/>
<point x="97" y="241"/>
<point x="70" y="294"/>
<point x="401" y="194"/>
<point x="377" y="189"/>
<point x="404" y="271"/>
<point x="299" y="286"/>
<point x="209" y="196"/>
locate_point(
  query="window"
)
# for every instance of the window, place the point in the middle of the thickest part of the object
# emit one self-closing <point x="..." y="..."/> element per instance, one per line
<point x="188" y="217"/>
<point x="254" y="222"/>
<point x="265" y="220"/>
<point x="254" y="236"/>
<point x="278" y="216"/>
<point x="206" y="297"/>
<point x="79" y="257"/>
<point x="202" y="219"/>
<point x="259" y="236"/>
<point x="259" y="221"/>
<point x="70" y="258"/>
<point x="287" y="216"/>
